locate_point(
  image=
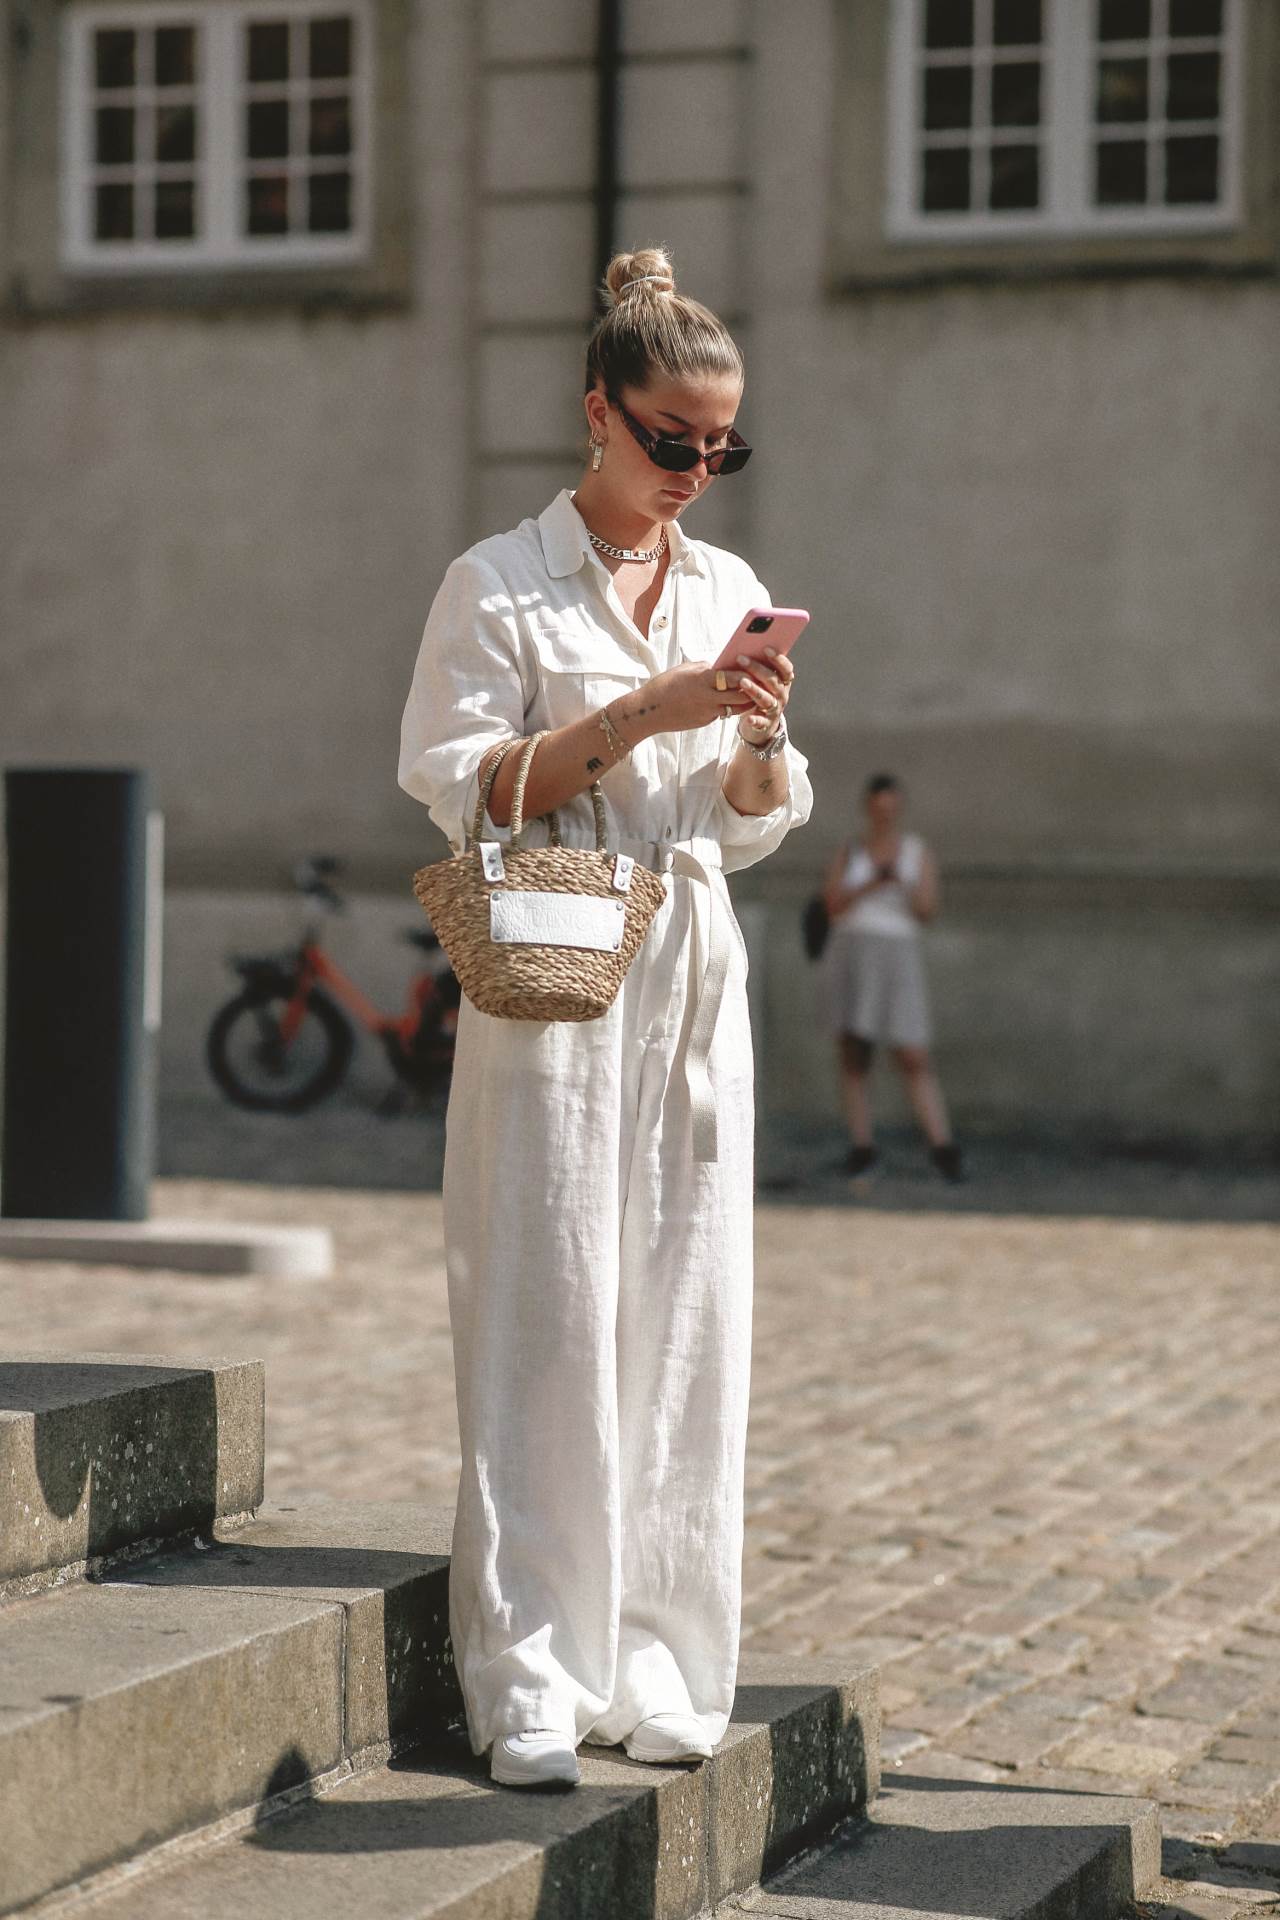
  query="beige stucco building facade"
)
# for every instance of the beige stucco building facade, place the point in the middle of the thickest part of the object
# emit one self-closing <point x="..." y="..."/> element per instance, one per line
<point x="1025" y="481"/>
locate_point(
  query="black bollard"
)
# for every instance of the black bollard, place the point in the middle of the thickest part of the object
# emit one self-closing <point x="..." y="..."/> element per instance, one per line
<point x="81" y="995"/>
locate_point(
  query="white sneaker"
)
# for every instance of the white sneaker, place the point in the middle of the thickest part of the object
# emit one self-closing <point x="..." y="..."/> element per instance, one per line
<point x="667" y="1738"/>
<point x="534" y="1758"/>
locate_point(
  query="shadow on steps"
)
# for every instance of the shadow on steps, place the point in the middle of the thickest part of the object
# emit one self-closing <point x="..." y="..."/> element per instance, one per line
<point x="583" y="1855"/>
<point x="980" y="1852"/>
<point x="115" y="1451"/>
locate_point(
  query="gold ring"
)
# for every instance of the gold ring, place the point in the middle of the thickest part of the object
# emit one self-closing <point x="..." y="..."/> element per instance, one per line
<point x="722" y="685"/>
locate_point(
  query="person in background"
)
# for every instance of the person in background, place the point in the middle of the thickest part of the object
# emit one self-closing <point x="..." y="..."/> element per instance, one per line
<point x="880" y="890"/>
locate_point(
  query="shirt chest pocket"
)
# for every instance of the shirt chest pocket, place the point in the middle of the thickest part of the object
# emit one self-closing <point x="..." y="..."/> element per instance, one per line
<point x="579" y="669"/>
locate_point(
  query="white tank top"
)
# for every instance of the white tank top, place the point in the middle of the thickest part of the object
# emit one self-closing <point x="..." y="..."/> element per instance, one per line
<point x="888" y="909"/>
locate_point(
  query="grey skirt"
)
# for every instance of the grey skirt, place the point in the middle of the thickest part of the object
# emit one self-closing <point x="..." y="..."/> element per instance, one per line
<point x="876" y="988"/>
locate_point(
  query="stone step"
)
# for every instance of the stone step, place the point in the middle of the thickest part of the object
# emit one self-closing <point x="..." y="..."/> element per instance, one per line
<point x="428" y="1837"/>
<point x="194" y="1684"/>
<point x="101" y="1452"/>
<point x="937" y="1848"/>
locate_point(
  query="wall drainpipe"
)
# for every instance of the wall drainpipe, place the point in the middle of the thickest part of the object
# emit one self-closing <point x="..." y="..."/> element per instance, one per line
<point x="608" y="129"/>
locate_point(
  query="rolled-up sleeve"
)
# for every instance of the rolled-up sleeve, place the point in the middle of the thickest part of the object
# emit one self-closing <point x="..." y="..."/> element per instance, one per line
<point x="467" y="694"/>
<point x="748" y="837"/>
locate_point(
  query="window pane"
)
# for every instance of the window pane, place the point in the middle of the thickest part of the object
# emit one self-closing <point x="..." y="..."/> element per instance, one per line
<point x="268" y="129"/>
<point x="113" y="136"/>
<point x="329" y="203"/>
<point x="330" y="126"/>
<point x="1195" y="16"/>
<point x="175" y="56"/>
<point x="1122" y="90"/>
<point x="948" y="23"/>
<point x="946" y="180"/>
<point x="175" y="209"/>
<point x="268" y="209"/>
<point x="1016" y="23"/>
<point x="175" y="133"/>
<point x="1122" y="173"/>
<point x="1015" y="178"/>
<point x="329" y="52"/>
<point x="948" y="97"/>
<point x="113" y="212"/>
<point x="1015" y="94"/>
<point x="1123" y="19"/>
<point x="269" y="50"/>
<point x="113" y="57"/>
<point x="1193" y="86"/>
<point x="1191" y="170"/>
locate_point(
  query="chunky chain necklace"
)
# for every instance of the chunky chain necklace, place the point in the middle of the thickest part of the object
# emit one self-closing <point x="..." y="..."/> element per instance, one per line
<point x="628" y="553"/>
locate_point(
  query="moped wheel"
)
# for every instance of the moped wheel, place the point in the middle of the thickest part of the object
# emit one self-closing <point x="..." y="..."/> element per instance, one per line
<point x="256" y="1068"/>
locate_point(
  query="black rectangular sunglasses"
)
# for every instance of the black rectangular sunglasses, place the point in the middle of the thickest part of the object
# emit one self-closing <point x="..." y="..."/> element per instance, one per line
<point x="676" y="456"/>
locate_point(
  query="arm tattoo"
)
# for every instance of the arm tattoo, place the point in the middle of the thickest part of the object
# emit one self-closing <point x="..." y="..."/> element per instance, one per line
<point x="766" y="785"/>
<point x="594" y="766"/>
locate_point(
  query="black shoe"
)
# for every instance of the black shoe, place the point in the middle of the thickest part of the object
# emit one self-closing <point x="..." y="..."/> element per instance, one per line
<point x="949" y="1164"/>
<point x="861" y="1160"/>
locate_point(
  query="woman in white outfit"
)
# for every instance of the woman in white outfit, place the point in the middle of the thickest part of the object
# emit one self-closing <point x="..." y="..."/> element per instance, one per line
<point x="598" y="1176"/>
<point x="880" y="890"/>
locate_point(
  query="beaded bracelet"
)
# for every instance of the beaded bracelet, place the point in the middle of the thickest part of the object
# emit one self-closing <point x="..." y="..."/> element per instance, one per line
<point x="617" y="745"/>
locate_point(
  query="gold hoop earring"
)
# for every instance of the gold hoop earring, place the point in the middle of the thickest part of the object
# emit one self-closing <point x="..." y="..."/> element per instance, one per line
<point x="597" y="455"/>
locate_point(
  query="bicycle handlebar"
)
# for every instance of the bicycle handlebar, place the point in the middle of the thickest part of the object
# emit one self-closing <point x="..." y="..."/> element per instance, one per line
<point x="311" y="877"/>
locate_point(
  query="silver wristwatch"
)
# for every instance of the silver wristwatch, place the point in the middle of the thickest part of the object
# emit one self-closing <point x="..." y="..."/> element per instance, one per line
<point x="773" y="745"/>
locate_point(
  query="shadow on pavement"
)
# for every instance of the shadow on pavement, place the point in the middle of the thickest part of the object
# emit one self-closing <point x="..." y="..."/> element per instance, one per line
<point x="804" y="1168"/>
<point x="350" y="1142"/>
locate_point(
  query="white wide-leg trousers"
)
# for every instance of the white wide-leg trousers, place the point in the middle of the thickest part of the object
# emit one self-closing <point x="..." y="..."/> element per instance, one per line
<point x="600" y="1297"/>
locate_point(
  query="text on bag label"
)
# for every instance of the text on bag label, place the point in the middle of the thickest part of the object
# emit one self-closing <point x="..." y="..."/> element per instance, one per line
<point x="556" y="920"/>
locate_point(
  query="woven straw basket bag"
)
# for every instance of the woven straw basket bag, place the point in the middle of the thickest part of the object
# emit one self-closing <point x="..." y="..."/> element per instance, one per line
<point x="538" y="933"/>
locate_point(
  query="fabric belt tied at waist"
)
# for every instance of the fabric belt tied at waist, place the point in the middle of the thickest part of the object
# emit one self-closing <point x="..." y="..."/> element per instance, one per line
<point x="710" y="952"/>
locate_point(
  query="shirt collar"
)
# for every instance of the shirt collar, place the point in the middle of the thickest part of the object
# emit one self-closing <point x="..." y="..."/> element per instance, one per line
<point x="564" y="536"/>
<point x="565" y="545"/>
<point x="686" y="555"/>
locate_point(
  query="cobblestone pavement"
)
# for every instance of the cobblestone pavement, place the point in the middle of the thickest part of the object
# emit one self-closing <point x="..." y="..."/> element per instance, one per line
<point x="1029" y="1466"/>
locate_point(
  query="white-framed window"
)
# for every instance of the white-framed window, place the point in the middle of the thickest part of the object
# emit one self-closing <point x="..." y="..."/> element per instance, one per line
<point x="1025" y="117"/>
<point x="212" y="133"/>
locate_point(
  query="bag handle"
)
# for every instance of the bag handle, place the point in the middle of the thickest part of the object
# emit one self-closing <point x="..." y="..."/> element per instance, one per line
<point x="486" y="787"/>
<point x="517" y="804"/>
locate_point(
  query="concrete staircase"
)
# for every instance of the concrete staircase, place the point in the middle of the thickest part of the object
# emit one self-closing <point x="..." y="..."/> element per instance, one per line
<point x="102" y="1453"/>
<point x="203" y="1713"/>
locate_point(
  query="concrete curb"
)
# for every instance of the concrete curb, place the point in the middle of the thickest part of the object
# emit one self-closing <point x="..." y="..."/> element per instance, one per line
<point x="182" y="1246"/>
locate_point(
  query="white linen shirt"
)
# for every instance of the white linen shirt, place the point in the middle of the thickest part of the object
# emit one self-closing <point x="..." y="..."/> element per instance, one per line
<point x="527" y="634"/>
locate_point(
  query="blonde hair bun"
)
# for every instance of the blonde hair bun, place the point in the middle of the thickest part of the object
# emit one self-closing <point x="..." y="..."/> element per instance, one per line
<point x="648" y="271"/>
<point x="648" y="331"/>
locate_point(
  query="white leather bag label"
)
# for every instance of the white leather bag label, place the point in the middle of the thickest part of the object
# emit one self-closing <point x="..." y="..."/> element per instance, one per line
<point x="556" y="920"/>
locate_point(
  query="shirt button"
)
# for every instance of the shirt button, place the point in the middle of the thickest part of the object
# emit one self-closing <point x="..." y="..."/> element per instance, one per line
<point x="661" y="620"/>
<point x="667" y="834"/>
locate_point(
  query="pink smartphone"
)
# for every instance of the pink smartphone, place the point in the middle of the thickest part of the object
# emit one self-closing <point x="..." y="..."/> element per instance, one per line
<point x="761" y="627"/>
